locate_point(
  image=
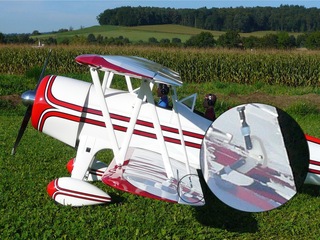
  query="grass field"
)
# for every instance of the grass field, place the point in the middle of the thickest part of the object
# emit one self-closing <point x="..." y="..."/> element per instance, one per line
<point x="143" y="33"/>
<point x="27" y="212"/>
<point x="134" y="34"/>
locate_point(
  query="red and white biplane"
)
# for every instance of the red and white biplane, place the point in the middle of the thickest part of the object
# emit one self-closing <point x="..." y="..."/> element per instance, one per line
<point x="254" y="157"/>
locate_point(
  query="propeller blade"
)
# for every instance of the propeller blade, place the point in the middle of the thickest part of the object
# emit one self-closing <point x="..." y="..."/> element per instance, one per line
<point x="23" y="127"/>
<point x="43" y="69"/>
<point x="27" y="115"/>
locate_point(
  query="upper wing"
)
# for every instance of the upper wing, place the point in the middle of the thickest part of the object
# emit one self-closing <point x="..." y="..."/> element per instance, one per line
<point x="136" y="67"/>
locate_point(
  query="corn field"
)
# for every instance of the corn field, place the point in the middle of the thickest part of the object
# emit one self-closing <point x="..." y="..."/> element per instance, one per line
<point x="289" y="68"/>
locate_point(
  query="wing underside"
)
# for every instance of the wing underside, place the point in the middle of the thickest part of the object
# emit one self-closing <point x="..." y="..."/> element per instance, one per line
<point x="144" y="173"/>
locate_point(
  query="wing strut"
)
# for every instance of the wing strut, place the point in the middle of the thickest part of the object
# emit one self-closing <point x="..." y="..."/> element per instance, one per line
<point x="157" y="127"/>
<point x="107" y="80"/>
<point x="133" y="120"/>
<point x="129" y="85"/>
<point x="175" y="108"/>
<point x="119" y="153"/>
<point x="105" y="114"/>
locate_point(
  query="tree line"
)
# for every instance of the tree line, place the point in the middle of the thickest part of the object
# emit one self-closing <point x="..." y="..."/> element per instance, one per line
<point x="262" y="18"/>
<point x="230" y="39"/>
<point x="290" y="18"/>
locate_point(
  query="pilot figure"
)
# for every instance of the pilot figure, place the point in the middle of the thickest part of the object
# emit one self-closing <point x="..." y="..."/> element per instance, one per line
<point x="208" y="103"/>
<point x="163" y="91"/>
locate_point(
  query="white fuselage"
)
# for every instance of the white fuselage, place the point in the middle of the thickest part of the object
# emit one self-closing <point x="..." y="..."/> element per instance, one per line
<point x="66" y="109"/>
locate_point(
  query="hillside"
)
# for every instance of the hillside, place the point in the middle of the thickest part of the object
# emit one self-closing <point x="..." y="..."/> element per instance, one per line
<point x="134" y="34"/>
<point x="143" y="33"/>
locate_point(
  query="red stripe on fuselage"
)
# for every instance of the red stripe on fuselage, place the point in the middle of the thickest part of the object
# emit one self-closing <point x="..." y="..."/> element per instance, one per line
<point x="314" y="162"/>
<point x="314" y="171"/>
<point x="40" y="104"/>
<point x="51" y="100"/>
<point x="312" y="139"/>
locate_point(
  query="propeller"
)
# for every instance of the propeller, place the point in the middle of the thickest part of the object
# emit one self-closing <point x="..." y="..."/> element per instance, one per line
<point x="28" y="99"/>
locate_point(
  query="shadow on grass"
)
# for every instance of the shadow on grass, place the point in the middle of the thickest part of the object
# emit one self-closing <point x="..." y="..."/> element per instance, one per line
<point x="312" y="190"/>
<point x="217" y="214"/>
<point x="117" y="199"/>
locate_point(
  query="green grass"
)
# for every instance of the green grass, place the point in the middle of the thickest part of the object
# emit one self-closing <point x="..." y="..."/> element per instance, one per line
<point x="27" y="212"/>
<point x="134" y="34"/>
<point x="143" y="33"/>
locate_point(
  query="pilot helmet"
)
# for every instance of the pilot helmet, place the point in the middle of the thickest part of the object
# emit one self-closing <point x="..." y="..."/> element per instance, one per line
<point x="164" y="89"/>
<point x="211" y="99"/>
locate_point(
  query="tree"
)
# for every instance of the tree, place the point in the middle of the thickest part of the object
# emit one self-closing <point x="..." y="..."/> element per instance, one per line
<point x="24" y="38"/>
<point x="63" y="30"/>
<point x="313" y="40"/>
<point x="284" y="41"/>
<point x="50" y="41"/>
<point x="283" y="18"/>
<point x="269" y="41"/>
<point x="153" y="40"/>
<point x="2" y="38"/>
<point x="243" y="22"/>
<point x="203" y="40"/>
<point x="165" y="42"/>
<point x="301" y="40"/>
<point x="35" y="33"/>
<point x="99" y="39"/>
<point x="78" y="40"/>
<point x="251" y="42"/>
<point x="176" y="41"/>
<point x="230" y="39"/>
<point x="91" y="38"/>
<point x="65" y="41"/>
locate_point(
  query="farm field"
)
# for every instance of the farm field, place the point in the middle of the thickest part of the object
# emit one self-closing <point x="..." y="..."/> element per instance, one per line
<point x="27" y="212"/>
<point x="134" y="34"/>
<point x="286" y="68"/>
<point x="143" y="33"/>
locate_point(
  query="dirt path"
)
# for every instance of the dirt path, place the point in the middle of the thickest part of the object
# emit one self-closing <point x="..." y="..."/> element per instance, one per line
<point x="281" y="101"/>
<point x="14" y="99"/>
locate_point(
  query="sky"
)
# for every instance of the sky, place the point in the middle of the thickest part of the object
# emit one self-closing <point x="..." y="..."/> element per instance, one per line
<point x="26" y="16"/>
